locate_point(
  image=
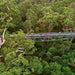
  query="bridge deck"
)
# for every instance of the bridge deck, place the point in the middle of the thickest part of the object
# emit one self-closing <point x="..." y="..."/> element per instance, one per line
<point x="50" y="35"/>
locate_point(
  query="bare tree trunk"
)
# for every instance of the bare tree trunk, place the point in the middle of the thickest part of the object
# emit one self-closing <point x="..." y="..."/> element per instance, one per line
<point x="2" y="40"/>
<point x="8" y="7"/>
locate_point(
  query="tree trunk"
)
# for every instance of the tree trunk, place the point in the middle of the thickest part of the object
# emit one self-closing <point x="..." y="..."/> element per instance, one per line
<point x="2" y="42"/>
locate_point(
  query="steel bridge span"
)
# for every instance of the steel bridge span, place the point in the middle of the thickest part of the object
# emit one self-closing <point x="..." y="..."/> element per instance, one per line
<point x="50" y="36"/>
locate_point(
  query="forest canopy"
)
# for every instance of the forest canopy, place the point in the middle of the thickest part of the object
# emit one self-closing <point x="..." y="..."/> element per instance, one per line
<point x="20" y="56"/>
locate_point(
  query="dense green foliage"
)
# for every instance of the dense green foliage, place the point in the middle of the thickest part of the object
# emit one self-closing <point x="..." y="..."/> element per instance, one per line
<point x="34" y="58"/>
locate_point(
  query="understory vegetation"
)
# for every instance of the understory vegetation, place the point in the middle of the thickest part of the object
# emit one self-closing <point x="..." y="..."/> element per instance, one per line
<point x="20" y="56"/>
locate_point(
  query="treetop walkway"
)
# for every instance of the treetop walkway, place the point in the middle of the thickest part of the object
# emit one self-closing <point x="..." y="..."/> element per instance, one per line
<point x="50" y="36"/>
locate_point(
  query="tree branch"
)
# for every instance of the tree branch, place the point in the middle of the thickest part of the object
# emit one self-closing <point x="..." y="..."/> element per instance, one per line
<point x="8" y="7"/>
<point x="3" y="36"/>
<point x="2" y="42"/>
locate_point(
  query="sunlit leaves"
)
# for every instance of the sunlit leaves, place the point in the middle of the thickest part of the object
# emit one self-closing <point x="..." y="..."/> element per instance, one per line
<point x="38" y="68"/>
<point x="55" y="68"/>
